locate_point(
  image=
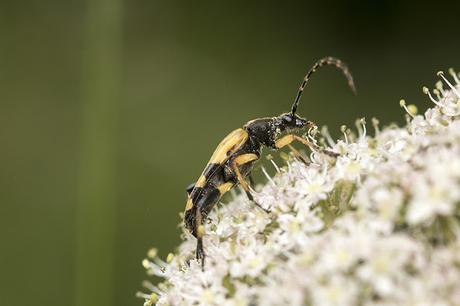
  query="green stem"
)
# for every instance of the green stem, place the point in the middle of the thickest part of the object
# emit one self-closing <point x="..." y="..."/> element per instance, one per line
<point x="95" y="225"/>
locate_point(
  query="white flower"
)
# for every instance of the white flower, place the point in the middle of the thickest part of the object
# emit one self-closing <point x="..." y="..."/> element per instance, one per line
<point x="336" y="291"/>
<point x="431" y="198"/>
<point x="378" y="225"/>
<point x="315" y="185"/>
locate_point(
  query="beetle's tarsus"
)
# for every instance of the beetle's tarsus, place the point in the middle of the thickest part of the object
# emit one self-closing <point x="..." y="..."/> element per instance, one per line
<point x="251" y="180"/>
<point x="330" y="153"/>
<point x="251" y="198"/>
<point x="200" y="255"/>
<point x="302" y="159"/>
<point x="261" y="207"/>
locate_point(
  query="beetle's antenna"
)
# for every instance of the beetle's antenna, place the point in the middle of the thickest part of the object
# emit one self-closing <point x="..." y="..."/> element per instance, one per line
<point x="322" y="62"/>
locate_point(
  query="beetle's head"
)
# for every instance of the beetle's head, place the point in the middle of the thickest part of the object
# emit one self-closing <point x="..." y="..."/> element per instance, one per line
<point x="290" y="121"/>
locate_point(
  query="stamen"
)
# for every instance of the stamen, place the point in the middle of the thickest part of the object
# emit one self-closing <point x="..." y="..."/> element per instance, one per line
<point x="313" y="157"/>
<point x="152" y="253"/>
<point x="170" y="258"/>
<point x="437" y="93"/>
<point x="441" y="74"/>
<point x="452" y="114"/>
<point x="311" y="135"/>
<point x="312" y="140"/>
<point x="410" y="109"/>
<point x="268" y="176"/>
<point x="343" y="129"/>
<point x="327" y="136"/>
<point x="148" y="285"/>
<point x="351" y="135"/>
<point x="375" y="124"/>
<point x="454" y="75"/>
<point x="440" y="87"/>
<point x="153" y="298"/>
<point x="146" y="263"/>
<point x="324" y="170"/>
<point x="142" y="295"/>
<point x="322" y="142"/>
<point x="275" y="165"/>
<point x="363" y="123"/>
<point x="361" y="127"/>
<point x="427" y="92"/>
<point x="289" y="166"/>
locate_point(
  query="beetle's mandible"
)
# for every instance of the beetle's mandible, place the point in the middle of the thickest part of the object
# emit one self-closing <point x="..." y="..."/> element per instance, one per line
<point x="234" y="157"/>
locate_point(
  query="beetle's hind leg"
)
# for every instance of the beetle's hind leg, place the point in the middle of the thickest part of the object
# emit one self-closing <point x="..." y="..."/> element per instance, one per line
<point x="199" y="232"/>
<point x="200" y="255"/>
<point x="251" y="198"/>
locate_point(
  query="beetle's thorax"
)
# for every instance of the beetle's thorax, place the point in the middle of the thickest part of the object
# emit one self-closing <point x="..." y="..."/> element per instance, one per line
<point x="262" y="131"/>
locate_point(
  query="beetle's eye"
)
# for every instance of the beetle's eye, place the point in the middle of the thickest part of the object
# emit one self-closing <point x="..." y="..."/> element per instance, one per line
<point x="287" y="118"/>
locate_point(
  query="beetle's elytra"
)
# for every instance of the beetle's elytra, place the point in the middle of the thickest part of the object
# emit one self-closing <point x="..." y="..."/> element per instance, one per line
<point x="232" y="161"/>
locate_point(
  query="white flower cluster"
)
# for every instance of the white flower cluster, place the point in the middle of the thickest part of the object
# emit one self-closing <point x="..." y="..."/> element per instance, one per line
<point x="377" y="225"/>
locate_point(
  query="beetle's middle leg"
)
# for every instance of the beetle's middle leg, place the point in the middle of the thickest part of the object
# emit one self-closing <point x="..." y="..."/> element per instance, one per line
<point x="251" y="180"/>
<point x="297" y="154"/>
<point x="199" y="231"/>
<point x="241" y="160"/>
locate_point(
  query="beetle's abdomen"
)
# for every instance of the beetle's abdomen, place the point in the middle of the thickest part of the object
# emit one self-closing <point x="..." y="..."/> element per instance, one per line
<point x="207" y="197"/>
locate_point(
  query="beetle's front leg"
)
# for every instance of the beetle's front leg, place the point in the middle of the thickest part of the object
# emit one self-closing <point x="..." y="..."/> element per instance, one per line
<point x="241" y="160"/>
<point x="288" y="139"/>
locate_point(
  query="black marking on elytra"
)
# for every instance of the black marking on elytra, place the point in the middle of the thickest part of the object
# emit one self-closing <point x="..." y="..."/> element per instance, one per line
<point x="204" y="200"/>
<point x="210" y="170"/>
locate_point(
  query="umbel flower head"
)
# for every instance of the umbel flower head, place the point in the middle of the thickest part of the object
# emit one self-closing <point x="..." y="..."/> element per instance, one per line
<point x="378" y="225"/>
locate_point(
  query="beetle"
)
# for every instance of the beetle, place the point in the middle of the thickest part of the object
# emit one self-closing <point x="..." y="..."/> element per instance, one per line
<point x="233" y="159"/>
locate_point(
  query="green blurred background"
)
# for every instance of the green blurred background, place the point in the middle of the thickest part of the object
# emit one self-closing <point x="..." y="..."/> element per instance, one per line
<point x="109" y="108"/>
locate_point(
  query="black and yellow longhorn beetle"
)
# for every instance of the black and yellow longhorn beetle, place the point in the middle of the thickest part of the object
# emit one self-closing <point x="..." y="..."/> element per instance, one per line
<point x="236" y="154"/>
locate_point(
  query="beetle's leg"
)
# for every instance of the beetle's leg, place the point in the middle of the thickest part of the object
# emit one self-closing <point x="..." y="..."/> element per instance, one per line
<point x="241" y="160"/>
<point x="287" y="139"/>
<point x="251" y="181"/>
<point x="297" y="154"/>
<point x="200" y="255"/>
<point x="199" y="231"/>
<point x="330" y="153"/>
